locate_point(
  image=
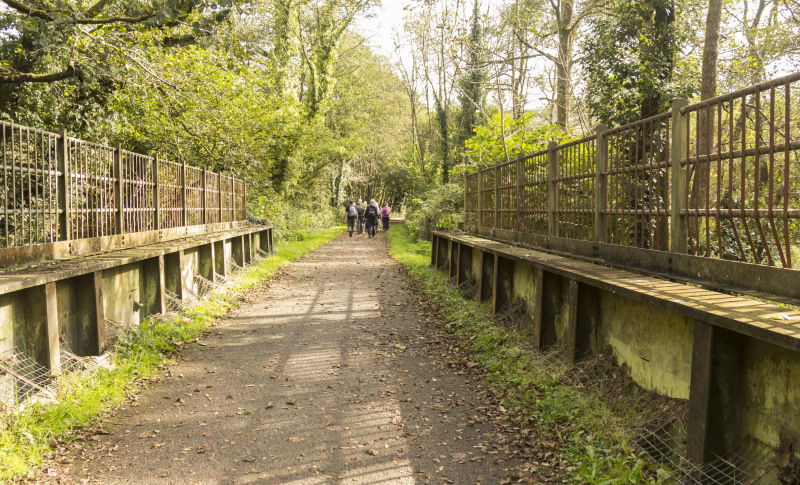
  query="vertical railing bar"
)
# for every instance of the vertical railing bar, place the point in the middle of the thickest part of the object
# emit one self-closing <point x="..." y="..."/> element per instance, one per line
<point x="720" y="179"/>
<point x="5" y="183"/>
<point x="786" y="174"/>
<point x="731" y="174"/>
<point x="708" y="137"/>
<point x="184" y="205"/>
<point x="757" y="190"/>
<point x="28" y="176"/>
<point x="743" y="183"/>
<point x="770" y="205"/>
<point x="156" y="194"/>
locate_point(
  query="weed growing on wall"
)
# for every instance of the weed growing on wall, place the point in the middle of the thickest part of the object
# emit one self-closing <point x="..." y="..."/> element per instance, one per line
<point x="582" y="413"/>
<point x="28" y="437"/>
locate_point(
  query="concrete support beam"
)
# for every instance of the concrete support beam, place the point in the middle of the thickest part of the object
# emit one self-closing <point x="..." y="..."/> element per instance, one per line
<point x="479" y="276"/>
<point x="173" y="274"/>
<point x="700" y="393"/>
<point x="434" y="251"/>
<point x="53" y="334"/>
<point x="238" y="250"/>
<point x="99" y="312"/>
<point x="571" y="335"/>
<point x="248" y="248"/>
<point x="537" y="309"/>
<point x="271" y="242"/>
<point x="206" y="263"/>
<point x="220" y="264"/>
<point x="452" y="262"/>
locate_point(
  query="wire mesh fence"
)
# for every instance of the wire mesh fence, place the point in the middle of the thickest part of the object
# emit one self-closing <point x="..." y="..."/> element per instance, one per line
<point x="58" y="188"/>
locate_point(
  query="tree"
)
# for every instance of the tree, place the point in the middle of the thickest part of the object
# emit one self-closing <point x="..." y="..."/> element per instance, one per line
<point x="471" y="96"/>
<point x="629" y="56"/>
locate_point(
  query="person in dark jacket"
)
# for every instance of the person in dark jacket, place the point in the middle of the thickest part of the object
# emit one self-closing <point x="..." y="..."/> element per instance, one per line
<point x="360" y="210"/>
<point x="352" y="215"/>
<point x="372" y="216"/>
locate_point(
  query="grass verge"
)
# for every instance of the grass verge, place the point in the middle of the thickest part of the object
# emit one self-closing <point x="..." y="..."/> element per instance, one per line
<point x="27" y="438"/>
<point x="583" y="417"/>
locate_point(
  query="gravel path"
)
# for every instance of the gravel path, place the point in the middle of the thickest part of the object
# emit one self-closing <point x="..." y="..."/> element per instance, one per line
<point x="328" y="373"/>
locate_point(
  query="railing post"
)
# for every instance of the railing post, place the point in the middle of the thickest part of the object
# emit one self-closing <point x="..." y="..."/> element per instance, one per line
<point x="64" y="229"/>
<point x="496" y="196"/>
<point x="205" y="197"/>
<point x="219" y="196"/>
<point x="156" y="195"/>
<point x="677" y="230"/>
<point x="479" y="221"/>
<point x="464" y="226"/>
<point x="552" y="189"/>
<point x="119" y="186"/>
<point x="520" y="191"/>
<point x="601" y="184"/>
<point x="184" y="214"/>
<point x="233" y="199"/>
<point x="244" y="199"/>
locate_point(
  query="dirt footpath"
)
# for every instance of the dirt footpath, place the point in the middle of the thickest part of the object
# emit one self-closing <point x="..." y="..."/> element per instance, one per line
<point x="326" y="374"/>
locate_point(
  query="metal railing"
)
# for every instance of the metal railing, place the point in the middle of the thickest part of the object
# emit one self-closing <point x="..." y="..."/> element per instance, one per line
<point x="59" y="188"/>
<point x="718" y="179"/>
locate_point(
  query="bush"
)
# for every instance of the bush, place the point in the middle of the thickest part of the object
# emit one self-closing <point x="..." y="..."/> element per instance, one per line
<point x="291" y="219"/>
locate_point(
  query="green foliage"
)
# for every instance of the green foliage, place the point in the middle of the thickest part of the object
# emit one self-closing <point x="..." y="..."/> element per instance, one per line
<point x="629" y="57"/>
<point x="439" y="208"/>
<point x="25" y="437"/>
<point x="536" y="388"/>
<point x="523" y="135"/>
<point x="472" y="96"/>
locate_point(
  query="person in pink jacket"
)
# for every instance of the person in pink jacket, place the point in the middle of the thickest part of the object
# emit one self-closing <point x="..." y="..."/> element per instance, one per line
<point x="385" y="213"/>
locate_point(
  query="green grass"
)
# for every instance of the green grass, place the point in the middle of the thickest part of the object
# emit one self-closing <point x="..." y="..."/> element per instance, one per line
<point x="25" y="437"/>
<point x="539" y="391"/>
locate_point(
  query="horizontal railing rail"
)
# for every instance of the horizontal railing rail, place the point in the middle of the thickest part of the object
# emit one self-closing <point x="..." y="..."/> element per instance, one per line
<point x="60" y="188"/>
<point x="715" y="179"/>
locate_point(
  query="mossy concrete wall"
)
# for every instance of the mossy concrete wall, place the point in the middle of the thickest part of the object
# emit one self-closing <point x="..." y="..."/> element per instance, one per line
<point x="753" y="390"/>
<point x="87" y="304"/>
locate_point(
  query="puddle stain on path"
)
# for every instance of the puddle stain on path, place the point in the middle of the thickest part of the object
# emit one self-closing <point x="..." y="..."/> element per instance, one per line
<point x="326" y="375"/>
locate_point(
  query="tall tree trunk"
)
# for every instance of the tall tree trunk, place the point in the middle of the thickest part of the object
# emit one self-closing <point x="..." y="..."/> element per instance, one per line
<point x="564" y="63"/>
<point x="708" y="90"/>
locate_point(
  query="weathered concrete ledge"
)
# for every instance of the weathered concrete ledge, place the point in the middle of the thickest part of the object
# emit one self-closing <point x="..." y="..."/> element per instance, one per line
<point x="78" y="303"/>
<point x="736" y="360"/>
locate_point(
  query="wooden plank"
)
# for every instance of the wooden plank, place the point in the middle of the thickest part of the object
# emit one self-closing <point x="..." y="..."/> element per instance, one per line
<point x="537" y="309"/>
<point x="53" y="340"/>
<point x="571" y="336"/>
<point x="450" y="268"/>
<point x="700" y="392"/>
<point x="99" y="312"/>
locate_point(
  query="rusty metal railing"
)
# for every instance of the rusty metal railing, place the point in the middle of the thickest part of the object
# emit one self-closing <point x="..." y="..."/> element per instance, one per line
<point x="58" y="188"/>
<point x="741" y="174"/>
<point x="717" y="179"/>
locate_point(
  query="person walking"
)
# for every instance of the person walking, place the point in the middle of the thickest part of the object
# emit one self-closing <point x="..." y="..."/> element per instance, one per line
<point x="360" y="210"/>
<point x="352" y="215"/>
<point x="372" y="216"/>
<point x="377" y="211"/>
<point x="385" y="213"/>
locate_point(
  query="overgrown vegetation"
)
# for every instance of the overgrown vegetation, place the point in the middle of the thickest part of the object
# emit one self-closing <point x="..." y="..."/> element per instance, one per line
<point x="586" y="414"/>
<point x="27" y="438"/>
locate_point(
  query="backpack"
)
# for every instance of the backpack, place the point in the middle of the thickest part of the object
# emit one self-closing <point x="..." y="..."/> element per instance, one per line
<point x="351" y="211"/>
<point x="360" y="209"/>
<point x="371" y="212"/>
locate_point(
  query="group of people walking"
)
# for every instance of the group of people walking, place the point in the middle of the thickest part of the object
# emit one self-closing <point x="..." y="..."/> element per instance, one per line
<point x="362" y="216"/>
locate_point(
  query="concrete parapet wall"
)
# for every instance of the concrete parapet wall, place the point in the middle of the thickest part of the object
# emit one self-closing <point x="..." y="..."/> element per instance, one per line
<point x="736" y="360"/>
